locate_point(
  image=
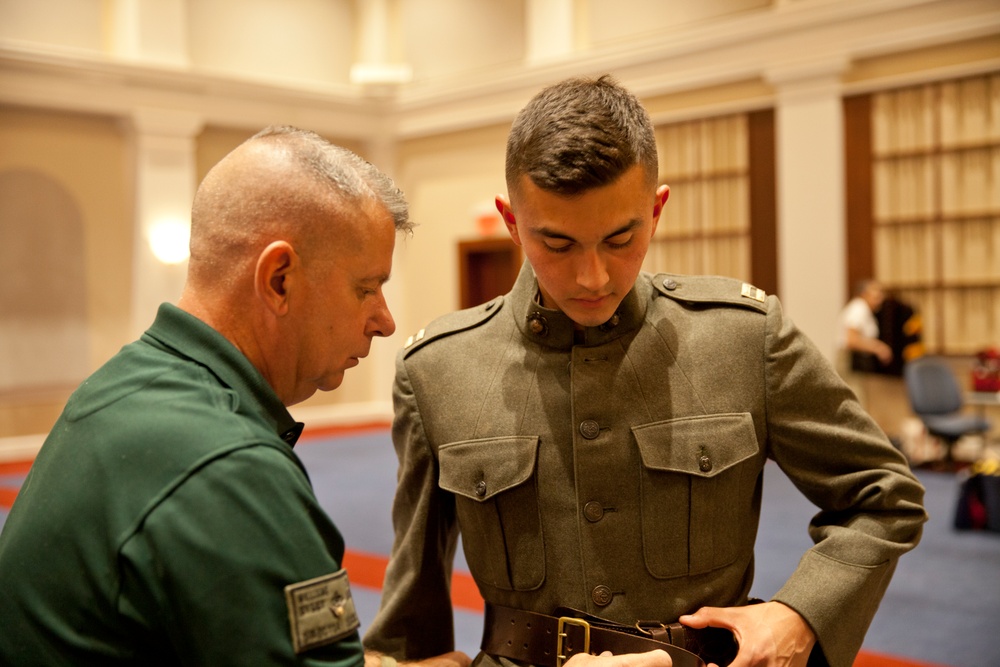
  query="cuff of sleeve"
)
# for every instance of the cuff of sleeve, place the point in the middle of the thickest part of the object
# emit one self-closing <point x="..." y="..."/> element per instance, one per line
<point x="841" y="615"/>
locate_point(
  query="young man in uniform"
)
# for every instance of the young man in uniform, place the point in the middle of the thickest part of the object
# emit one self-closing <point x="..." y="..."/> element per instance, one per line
<point x="599" y="435"/>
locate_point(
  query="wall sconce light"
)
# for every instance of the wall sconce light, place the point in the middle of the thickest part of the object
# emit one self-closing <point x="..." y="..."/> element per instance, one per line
<point x="169" y="239"/>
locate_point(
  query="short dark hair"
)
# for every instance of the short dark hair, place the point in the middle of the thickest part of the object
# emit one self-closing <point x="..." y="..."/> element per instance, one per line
<point x="580" y="134"/>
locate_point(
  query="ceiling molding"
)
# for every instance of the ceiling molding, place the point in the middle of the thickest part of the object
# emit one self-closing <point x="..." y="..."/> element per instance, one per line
<point x="771" y="44"/>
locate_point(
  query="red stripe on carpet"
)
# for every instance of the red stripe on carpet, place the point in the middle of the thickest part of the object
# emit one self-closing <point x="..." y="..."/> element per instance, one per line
<point x="869" y="659"/>
<point x="368" y="570"/>
<point x="363" y="569"/>
<point x="7" y="497"/>
<point x="311" y="433"/>
<point x="15" y="467"/>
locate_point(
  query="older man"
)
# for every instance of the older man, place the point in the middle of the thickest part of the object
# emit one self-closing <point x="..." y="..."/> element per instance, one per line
<point x="166" y="519"/>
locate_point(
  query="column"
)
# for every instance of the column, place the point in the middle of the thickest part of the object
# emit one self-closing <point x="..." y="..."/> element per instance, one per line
<point x="550" y="29"/>
<point x="149" y="30"/>
<point x="164" y="145"/>
<point x="376" y="71"/>
<point x="811" y="210"/>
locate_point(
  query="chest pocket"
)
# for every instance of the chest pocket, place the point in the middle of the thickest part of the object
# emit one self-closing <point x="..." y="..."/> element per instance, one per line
<point x="496" y="497"/>
<point x="698" y="484"/>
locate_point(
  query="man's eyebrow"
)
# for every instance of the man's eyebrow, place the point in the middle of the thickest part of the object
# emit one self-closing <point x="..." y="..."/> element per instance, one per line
<point x="552" y="234"/>
<point x="380" y="278"/>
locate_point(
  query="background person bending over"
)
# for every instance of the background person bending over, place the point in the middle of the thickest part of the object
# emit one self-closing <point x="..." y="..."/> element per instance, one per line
<point x="599" y="434"/>
<point x="858" y="333"/>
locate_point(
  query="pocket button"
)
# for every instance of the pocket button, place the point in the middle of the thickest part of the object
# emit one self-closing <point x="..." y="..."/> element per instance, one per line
<point x="593" y="511"/>
<point x="590" y="429"/>
<point x="601" y="595"/>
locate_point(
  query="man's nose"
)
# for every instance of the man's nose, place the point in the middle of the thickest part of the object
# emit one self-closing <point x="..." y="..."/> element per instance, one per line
<point x="381" y="323"/>
<point x="592" y="273"/>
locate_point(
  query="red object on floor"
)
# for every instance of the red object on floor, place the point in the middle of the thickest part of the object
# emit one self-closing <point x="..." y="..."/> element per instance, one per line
<point x="368" y="570"/>
<point x="868" y="659"/>
<point x="7" y="497"/>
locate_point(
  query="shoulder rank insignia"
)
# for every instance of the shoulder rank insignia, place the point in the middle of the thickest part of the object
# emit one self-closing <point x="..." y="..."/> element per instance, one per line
<point x="413" y="339"/>
<point x="751" y="292"/>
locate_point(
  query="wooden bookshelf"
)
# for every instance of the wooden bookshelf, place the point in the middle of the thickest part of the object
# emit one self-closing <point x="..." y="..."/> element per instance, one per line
<point x="924" y="204"/>
<point x="720" y="218"/>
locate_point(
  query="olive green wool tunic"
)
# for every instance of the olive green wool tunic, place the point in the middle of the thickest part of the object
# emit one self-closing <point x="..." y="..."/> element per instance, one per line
<point x="163" y="517"/>
<point x="618" y="469"/>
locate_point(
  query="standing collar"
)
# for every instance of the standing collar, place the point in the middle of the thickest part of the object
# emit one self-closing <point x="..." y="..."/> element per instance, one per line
<point x="188" y="336"/>
<point x="552" y="328"/>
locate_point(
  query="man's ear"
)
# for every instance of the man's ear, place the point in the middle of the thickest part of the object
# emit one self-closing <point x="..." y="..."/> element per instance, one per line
<point x="503" y="205"/>
<point x="277" y="266"/>
<point x="662" y="194"/>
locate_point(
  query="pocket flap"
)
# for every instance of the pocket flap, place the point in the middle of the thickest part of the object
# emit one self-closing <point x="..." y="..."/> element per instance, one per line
<point x="704" y="446"/>
<point x="480" y="469"/>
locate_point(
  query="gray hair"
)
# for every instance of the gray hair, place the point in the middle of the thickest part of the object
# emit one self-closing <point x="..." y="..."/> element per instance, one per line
<point x="351" y="176"/>
<point x="283" y="181"/>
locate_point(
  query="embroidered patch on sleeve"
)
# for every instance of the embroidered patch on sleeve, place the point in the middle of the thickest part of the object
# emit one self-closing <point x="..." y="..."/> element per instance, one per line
<point x="320" y="611"/>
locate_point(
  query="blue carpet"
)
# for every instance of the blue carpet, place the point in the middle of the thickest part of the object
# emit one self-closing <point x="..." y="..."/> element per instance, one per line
<point x="942" y="606"/>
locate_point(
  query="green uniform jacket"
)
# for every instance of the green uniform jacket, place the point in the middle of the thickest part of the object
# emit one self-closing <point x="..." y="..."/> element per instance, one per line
<point x="163" y="517"/>
<point x="618" y="470"/>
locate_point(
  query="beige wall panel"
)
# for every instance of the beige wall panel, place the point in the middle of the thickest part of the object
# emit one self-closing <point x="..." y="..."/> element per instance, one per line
<point x="213" y="144"/>
<point x="298" y="41"/>
<point x="709" y="101"/>
<point x="908" y="63"/>
<point x="75" y="24"/>
<point x="86" y="156"/>
<point x="446" y="180"/>
<point x="445" y="37"/>
<point x="610" y="22"/>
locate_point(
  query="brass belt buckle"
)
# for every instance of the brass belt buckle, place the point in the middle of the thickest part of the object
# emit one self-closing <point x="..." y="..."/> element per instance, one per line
<point x="560" y="635"/>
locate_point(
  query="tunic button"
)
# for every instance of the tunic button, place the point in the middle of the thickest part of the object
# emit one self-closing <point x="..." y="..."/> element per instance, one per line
<point x="590" y="429"/>
<point x="704" y="463"/>
<point x="593" y="511"/>
<point x="537" y="324"/>
<point x="481" y="488"/>
<point x="601" y="595"/>
<point x="670" y="284"/>
<point x="611" y="323"/>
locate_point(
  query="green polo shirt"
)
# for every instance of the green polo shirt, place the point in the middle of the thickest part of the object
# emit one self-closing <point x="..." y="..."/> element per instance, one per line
<point x="164" y="517"/>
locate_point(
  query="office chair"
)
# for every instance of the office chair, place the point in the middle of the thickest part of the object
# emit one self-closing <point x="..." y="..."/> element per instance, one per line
<point x="937" y="400"/>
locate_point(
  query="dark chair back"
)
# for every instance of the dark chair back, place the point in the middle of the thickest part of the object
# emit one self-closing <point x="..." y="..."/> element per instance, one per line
<point x="932" y="387"/>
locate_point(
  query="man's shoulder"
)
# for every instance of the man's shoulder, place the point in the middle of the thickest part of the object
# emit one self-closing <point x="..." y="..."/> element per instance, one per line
<point x="709" y="291"/>
<point x="447" y="327"/>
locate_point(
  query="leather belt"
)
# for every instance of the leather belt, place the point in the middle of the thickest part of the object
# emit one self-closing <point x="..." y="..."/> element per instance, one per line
<point x="547" y="641"/>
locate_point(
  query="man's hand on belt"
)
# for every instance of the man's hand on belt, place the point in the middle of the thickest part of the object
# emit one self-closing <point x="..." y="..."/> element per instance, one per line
<point x="769" y="634"/>
<point x="655" y="658"/>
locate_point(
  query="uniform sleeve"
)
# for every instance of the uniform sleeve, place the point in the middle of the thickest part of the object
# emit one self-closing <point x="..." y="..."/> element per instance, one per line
<point x="205" y="573"/>
<point x="415" y="618"/>
<point x="871" y="505"/>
